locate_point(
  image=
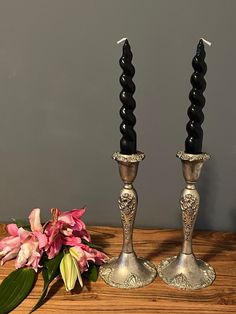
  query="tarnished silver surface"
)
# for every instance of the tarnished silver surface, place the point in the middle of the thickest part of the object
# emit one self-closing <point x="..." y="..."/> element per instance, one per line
<point x="139" y="156"/>
<point x="185" y="271"/>
<point x="128" y="271"/>
<point x="192" y="157"/>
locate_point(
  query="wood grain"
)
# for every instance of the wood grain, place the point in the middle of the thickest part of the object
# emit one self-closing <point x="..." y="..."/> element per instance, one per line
<point x="216" y="248"/>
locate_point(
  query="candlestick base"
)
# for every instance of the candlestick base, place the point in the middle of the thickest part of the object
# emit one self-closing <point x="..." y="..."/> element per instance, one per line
<point x="185" y="271"/>
<point x="128" y="271"/>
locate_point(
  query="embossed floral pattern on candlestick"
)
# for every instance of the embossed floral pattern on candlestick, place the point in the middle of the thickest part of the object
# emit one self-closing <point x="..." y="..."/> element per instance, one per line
<point x="189" y="206"/>
<point x="127" y="204"/>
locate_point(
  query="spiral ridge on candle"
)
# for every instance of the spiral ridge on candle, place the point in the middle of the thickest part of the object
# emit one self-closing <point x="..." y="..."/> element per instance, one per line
<point x="193" y="143"/>
<point x="128" y="140"/>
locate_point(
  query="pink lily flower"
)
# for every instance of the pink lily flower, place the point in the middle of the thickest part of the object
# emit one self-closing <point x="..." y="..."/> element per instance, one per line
<point x="10" y="246"/>
<point x="33" y="243"/>
<point x="27" y="246"/>
<point x="65" y="229"/>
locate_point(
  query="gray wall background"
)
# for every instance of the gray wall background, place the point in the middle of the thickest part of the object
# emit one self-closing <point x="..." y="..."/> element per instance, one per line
<point x="59" y="107"/>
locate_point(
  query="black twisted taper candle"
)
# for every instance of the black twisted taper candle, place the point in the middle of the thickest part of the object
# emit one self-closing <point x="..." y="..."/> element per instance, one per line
<point x="128" y="140"/>
<point x="193" y="143"/>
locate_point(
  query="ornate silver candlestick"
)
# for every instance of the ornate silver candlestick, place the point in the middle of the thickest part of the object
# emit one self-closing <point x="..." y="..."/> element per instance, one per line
<point x="185" y="271"/>
<point x="128" y="271"/>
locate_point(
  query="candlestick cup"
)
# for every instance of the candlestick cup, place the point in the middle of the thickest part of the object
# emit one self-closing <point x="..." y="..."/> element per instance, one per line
<point x="128" y="271"/>
<point x="185" y="271"/>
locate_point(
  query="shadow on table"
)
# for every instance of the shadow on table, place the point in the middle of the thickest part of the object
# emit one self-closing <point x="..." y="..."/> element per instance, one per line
<point x="220" y="243"/>
<point x="223" y="244"/>
<point x="53" y="290"/>
<point x="166" y="248"/>
<point x="102" y="240"/>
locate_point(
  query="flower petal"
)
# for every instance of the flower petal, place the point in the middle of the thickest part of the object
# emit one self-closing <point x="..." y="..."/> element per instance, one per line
<point x="9" y="242"/>
<point x="24" y="234"/>
<point x="67" y="218"/>
<point x="77" y="213"/>
<point x="23" y="255"/>
<point x="71" y="241"/>
<point x="42" y="239"/>
<point x="10" y="255"/>
<point x="54" y="247"/>
<point x="34" y="219"/>
<point x="12" y="229"/>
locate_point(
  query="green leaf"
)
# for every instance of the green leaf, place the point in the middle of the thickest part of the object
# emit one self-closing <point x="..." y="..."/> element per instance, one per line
<point x="50" y="271"/>
<point x="15" y="288"/>
<point x="45" y="275"/>
<point x="92" y="273"/>
<point x="93" y="246"/>
<point x="52" y="266"/>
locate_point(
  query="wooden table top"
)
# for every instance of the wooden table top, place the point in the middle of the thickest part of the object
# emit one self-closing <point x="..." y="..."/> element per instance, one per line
<point x="216" y="248"/>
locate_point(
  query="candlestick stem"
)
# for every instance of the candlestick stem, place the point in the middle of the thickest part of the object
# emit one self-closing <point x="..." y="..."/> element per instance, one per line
<point x="128" y="206"/>
<point x="128" y="271"/>
<point x="185" y="271"/>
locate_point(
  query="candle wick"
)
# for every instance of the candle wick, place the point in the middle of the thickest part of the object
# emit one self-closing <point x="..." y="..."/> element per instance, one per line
<point x="206" y="41"/>
<point x="121" y="40"/>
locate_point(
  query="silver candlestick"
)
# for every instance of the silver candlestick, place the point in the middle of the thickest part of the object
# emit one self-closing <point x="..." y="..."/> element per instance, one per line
<point x="185" y="271"/>
<point x="128" y="271"/>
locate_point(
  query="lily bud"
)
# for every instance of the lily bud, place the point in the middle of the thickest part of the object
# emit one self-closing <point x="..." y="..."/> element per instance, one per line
<point x="77" y="258"/>
<point x="70" y="272"/>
